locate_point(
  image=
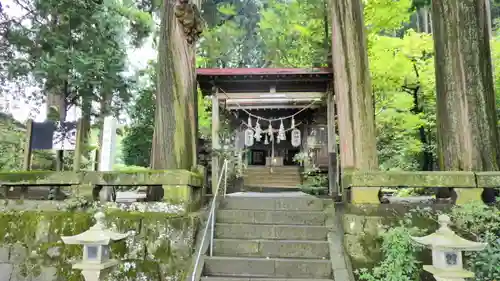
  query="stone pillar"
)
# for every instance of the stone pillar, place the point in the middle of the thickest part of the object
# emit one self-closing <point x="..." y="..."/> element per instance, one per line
<point x="352" y="87"/>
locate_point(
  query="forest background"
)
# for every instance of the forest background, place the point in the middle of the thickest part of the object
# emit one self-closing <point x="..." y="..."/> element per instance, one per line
<point x="82" y="50"/>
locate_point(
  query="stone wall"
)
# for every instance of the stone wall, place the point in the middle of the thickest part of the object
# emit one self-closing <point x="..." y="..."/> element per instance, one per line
<point x="31" y="248"/>
<point x="362" y="225"/>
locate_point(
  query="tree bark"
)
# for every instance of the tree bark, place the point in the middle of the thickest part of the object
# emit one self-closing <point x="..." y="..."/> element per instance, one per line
<point x="352" y="86"/>
<point x="174" y="138"/>
<point x="466" y="118"/>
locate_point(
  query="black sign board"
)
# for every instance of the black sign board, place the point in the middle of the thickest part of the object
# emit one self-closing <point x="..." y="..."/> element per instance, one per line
<point x="53" y="135"/>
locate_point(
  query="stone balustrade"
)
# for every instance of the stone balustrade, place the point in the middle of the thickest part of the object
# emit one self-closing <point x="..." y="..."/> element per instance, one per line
<point x="364" y="187"/>
<point x="179" y="186"/>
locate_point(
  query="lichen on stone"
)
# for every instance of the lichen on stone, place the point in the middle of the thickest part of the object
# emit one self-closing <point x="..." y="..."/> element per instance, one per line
<point x="159" y="248"/>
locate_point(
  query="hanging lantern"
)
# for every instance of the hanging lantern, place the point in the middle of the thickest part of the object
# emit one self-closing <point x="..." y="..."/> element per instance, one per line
<point x="266" y="141"/>
<point x="248" y="137"/>
<point x="249" y="122"/>
<point x="296" y="140"/>
<point x="281" y="132"/>
<point x="293" y="124"/>
<point x="270" y="129"/>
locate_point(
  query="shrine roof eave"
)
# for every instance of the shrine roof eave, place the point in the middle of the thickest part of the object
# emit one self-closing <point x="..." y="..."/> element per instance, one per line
<point x="261" y="79"/>
<point x="261" y="71"/>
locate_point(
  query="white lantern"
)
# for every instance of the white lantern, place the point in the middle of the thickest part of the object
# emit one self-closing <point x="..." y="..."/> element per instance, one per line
<point x="447" y="249"/>
<point x="96" y="255"/>
<point x="248" y="137"/>
<point x="296" y="140"/>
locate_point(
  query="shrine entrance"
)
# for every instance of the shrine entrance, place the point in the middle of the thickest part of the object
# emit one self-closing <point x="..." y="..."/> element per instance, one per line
<point x="275" y="117"/>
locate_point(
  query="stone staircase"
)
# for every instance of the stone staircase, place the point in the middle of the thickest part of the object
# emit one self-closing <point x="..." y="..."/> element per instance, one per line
<point x="280" y="177"/>
<point x="269" y="237"/>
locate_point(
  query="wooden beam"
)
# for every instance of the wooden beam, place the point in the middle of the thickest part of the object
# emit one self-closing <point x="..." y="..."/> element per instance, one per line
<point x="277" y="95"/>
<point x="270" y="106"/>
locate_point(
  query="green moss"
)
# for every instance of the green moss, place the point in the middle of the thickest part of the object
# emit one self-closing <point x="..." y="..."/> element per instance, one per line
<point x="152" y="248"/>
<point x="35" y="176"/>
<point x="146" y="177"/>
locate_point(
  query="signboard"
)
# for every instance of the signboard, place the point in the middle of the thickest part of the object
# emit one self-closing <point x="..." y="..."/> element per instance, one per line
<point x="53" y="135"/>
<point x="108" y="149"/>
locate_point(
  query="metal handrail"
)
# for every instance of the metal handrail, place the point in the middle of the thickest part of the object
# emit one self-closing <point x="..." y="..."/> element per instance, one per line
<point x="211" y="219"/>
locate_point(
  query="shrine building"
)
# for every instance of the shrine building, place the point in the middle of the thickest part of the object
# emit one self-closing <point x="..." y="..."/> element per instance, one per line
<point x="273" y="117"/>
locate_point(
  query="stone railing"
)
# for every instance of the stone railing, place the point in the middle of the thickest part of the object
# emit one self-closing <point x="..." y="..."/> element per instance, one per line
<point x="364" y="187"/>
<point x="179" y="186"/>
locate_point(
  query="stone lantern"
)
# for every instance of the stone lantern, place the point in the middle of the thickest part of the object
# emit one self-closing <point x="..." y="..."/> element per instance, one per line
<point x="96" y="261"/>
<point x="447" y="247"/>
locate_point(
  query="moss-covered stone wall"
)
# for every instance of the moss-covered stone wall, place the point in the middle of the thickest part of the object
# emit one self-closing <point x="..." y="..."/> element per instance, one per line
<point x="31" y="248"/>
<point x="362" y="225"/>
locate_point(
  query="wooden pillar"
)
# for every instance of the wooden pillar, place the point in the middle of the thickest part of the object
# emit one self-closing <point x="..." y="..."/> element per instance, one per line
<point x="333" y="189"/>
<point x="215" y="141"/>
<point x="27" y="146"/>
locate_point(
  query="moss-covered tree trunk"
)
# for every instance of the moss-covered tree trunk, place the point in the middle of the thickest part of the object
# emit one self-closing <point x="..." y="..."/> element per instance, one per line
<point x="466" y="118"/>
<point x="352" y="86"/>
<point x="174" y="137"/>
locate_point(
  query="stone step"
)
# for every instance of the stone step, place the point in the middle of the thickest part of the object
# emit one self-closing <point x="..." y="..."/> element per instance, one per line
<point x="267" y="267"/>
<point x="303" y="249"/>
<point x="279" y="203"/>
<point x="271" y="182"/>
<point x="274" y="173"/>
<point x="275" y="169"/>
<point x="266" y="188"/>
<point x="222" y="278"/>
<point x="271" y="217"/>
<point x="270" y="232"/>
<point x="263" y="186"/>
<point x="261" y="179"/>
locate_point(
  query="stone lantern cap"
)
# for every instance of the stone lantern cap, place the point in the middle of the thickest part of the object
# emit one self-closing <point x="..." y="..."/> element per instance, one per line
<point x="95" y="235"/>
<point x="445" y="238"/>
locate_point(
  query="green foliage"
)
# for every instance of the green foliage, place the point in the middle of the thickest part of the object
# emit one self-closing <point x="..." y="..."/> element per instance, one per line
<point x="479" y="222"/>
<point x="399" y="263"/>
<point x="11" y="144"/>
<point x="294" y="33"/>
<point x="136" y="145"/>
<point x="386" y="15"/>
<point x="474" y="221"/>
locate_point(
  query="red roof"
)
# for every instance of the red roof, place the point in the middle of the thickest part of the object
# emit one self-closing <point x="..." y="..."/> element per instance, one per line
<point x="260" y="71"/>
